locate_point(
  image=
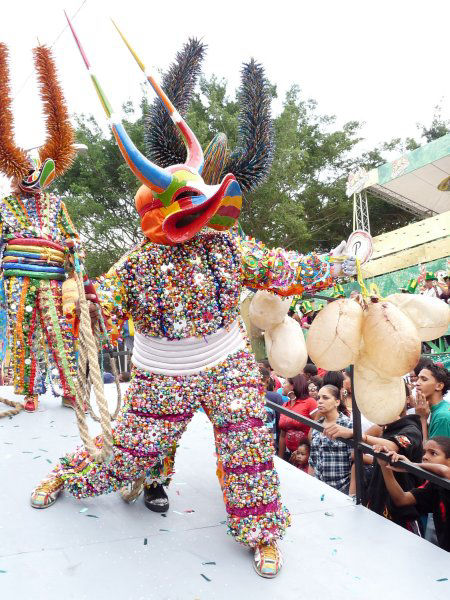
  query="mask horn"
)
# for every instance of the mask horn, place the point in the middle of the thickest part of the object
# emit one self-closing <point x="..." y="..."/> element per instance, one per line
<point x="194" y="150"/>
<point x="155" y="178"/>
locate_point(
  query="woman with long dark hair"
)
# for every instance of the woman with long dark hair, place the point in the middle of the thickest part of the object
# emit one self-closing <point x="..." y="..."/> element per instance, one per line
<point x="292" y="432"/>
<point x="331" y="460"/>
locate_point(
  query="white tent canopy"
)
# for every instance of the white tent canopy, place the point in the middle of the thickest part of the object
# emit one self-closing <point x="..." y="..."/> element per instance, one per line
<point x="411" y="181"/>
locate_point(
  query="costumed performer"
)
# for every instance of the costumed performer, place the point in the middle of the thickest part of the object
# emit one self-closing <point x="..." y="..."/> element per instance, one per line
<point x="35" y="228"/>
<point x="182" y="288"/>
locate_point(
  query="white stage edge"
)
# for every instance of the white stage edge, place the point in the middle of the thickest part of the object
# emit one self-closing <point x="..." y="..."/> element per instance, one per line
<point x="103" y="548"/>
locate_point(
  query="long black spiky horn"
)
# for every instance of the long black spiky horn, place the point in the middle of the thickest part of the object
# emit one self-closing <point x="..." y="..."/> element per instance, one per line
<point x="250" y="162"/>
<point x="163" y="142"/>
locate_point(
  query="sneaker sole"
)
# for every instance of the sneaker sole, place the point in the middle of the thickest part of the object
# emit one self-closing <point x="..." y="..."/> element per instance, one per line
<point x="264" y="574"/>
<point x="157" y="509"/>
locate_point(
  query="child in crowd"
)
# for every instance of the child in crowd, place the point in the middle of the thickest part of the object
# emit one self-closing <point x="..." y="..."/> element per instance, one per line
<point x="404" y="436"/>
<point x="300" y="457"/>
<point x="428" y="497"/>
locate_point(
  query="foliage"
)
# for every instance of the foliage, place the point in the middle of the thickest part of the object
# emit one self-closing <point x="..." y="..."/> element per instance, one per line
<point x="302" y="205"/>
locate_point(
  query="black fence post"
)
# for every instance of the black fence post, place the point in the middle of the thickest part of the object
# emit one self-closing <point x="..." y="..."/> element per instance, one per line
<point x="357" y="451"/>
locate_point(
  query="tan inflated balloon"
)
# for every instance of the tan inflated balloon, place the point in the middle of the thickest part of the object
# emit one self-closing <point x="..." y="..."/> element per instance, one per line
<point x="286" y="348"/>
<point x="267" y="309"/>
<point x="380" y="399"/>
<point x="391" y="341"/>
<point x="431" y="316"/>
<point x="334" y="337"/>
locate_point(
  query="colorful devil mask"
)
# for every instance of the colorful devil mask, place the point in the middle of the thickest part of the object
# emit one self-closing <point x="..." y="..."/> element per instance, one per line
<point x="33" y="173"/>
<point x="174" y="203"/>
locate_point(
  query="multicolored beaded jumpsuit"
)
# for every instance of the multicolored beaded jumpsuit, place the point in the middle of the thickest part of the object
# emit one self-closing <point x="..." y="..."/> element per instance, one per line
<point x="185" y="292"/>
<point x="34" y="262"/>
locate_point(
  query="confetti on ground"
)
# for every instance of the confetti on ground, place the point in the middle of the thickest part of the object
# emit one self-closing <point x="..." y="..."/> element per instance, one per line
<point x="178" y="492"/>
<point x="329" y="514"/>
<point x="42" y="450"/>
<point x="189" y="510"/>
<point x="336" y="538"/>
<point x="322" y="497"/>
<point x="334" y="552"/>
<point x="27" y="452"/>
<point x="2" y="571"/>
<point x="38" y="437"/>
<point x="48" y="460"/>
<point x="163" y="515"/>
<point x="209" y="563"/>
<point x="8" y="443"/>
<point x="38" y="456"/>
<point x="204" y="577"/>
<point x="93" y="516"/>
<point x="442" y="579"/>
<point x="222" y="522"/>
<point x="178" y="512"/>
<point x="63" y="435"/>
<point x="164" y="529"/>
<point x="356" y="577"/>
<point x="145" y="541"/>
<point x="83" y="510"/>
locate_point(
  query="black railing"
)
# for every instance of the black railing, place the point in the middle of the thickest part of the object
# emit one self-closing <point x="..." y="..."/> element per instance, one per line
<point x="361" y="448"/>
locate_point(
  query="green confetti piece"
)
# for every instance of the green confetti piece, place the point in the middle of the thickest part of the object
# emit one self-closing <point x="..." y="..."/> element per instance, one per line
<point x="329" y="514"/>
<point x="49" y="461"/>
<point x="145" y="541"/>
<point x="335" y="538"/>
<point x="209" y="563"/>
<point x="93" y="516"/>
<point x="334" y="552"/>
<point x="204" y="577"/>
<point x="442" y="579"/>
<point x="2" y="571"/>
<point x="322" y="497"/>
<point x="42" y="450"/>
<point x="83" y="510"/>
<point x="38" y="456"/>
<point x="164" y="529"/>
<point x="27" y="452"/>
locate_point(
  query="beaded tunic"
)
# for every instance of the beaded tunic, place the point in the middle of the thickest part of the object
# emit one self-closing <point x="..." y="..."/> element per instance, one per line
<point x="36" y="216"/>
<point x="193" y="289"/>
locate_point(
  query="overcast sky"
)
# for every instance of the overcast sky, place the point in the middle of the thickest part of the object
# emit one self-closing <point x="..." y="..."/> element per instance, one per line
<point x="384" y="63"/>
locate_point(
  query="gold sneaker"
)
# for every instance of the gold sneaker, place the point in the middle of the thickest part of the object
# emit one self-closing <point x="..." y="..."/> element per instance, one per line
<point x="267" y="560"/>
<point x="46" y="493"/>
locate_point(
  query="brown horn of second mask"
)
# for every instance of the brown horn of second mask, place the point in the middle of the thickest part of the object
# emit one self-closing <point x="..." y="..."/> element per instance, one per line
<point x="13" y="160"/>
<point x="60" y="135"/>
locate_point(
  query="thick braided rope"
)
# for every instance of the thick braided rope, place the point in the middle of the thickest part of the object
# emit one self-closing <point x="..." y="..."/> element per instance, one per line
<point x="84" y="379"/>
<point x="88" y="353"/>
<point x="132" y="492"/>
<point x="17" y="407"/>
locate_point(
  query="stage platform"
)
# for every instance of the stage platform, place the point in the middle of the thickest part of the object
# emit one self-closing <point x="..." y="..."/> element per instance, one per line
<point x="103" y="548"/>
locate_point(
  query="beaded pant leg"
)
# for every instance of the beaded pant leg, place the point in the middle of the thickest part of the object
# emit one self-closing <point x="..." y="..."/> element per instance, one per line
<point x="153" y="418"/>
<point x="60" y="340"/>
<point x="245" y="450"/>
<point x="22" y="303"/>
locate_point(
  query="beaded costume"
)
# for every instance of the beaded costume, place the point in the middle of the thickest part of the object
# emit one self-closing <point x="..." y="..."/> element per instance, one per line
<point x="35" y="226"/>
<point x="182" y="288"/>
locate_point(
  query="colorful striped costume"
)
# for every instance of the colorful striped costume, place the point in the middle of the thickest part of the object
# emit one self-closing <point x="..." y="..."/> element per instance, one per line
<point x="34" y="262"/>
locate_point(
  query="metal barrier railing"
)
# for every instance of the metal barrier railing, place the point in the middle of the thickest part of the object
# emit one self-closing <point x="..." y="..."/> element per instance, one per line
<point x="361" y="448"/>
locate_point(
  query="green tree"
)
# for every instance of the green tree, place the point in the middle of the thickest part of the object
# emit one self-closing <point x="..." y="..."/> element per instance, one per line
<point x="302" y="205"/>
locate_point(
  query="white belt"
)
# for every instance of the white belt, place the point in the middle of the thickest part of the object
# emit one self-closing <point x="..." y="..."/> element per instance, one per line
<point x="188" y="355"/>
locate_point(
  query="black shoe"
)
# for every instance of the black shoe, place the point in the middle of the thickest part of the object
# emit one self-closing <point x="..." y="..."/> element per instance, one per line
<point x="155" y="498"/>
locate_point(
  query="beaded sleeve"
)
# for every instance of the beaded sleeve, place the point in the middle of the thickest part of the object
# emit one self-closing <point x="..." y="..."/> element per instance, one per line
<point x="283" y="272"/>
<point x="65" y="225"/>
<point x="113" y="297"/>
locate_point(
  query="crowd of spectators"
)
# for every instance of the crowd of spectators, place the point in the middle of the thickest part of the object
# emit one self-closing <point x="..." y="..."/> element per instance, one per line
<point x="420" y="434"/>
